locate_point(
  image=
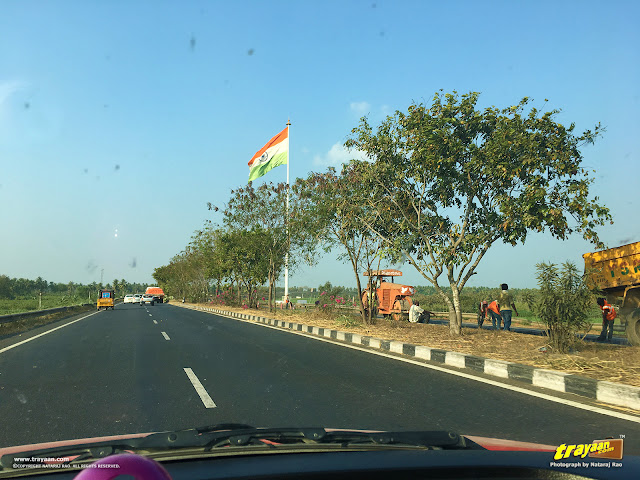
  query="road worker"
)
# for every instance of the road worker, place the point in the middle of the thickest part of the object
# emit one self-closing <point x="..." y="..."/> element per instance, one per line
<point x="494" y="311"/>
<point x="417" y="314"/>
<point x="482" y="312"/>
<point x="506" y="300"/>
<point x="608" y="317"/>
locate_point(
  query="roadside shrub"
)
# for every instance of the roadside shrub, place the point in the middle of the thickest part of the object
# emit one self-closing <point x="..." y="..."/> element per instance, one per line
<point x="226" y="297"/>
<point x="348" y="321"/>
<point x="563" y="304"/>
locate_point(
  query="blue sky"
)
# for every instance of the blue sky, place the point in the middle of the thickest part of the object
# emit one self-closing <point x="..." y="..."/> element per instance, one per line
<point x="128" y="117"/>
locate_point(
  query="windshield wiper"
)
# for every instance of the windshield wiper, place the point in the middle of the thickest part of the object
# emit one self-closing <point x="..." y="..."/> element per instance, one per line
<point x="237" y="435"/>
<point x="212" y="437"/>
<point x="97" y="450"/>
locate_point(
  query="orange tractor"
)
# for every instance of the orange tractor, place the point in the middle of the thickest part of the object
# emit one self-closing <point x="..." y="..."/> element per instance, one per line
<point x="390" y="299"/>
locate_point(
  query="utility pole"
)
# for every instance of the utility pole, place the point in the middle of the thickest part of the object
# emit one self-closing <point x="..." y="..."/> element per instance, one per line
<point x="101" y="276"/>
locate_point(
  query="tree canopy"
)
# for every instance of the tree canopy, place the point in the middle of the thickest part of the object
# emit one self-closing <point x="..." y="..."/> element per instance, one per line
<point x="443" y="183"/>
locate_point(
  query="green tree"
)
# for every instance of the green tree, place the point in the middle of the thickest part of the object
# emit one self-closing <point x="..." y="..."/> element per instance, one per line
<point x="40" y="284"/>
<point x="564" y="302"/>
<point x="6" y="287"/>
<point x="327" y="198"/>
<point x="265" y="208"/>
<point x="445" y="182"/>
<point x="209" y="242"/>
<point x="247" y="265"/>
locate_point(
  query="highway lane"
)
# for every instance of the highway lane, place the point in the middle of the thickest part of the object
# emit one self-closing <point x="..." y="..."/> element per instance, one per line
<point x="116" y="372"/>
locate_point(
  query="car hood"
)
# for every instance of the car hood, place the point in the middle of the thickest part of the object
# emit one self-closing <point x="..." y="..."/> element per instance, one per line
<point x="495" y="444"/>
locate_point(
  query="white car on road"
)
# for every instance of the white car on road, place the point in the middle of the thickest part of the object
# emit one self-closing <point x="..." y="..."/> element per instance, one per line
<point x="147" y="299"/>
<point x="130" y="298"/>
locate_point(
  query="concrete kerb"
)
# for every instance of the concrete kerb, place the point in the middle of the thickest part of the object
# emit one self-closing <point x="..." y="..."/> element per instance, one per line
<point x="602" y="391"/>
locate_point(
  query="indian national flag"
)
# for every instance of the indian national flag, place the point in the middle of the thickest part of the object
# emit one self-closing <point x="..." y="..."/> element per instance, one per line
<point x="274" y="153"/>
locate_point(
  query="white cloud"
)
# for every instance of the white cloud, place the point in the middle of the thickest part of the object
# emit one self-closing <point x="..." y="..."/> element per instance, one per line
<point x="360" y="108"/>
<point x="7" y="89"/>
<point x="337" y="155"/>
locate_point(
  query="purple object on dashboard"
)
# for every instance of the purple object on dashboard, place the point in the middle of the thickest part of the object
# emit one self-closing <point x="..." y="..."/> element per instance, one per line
<point x="141" y="468"/>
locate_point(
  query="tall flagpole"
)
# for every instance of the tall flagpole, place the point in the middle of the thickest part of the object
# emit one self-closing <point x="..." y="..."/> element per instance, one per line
<point x="286" y="257"/>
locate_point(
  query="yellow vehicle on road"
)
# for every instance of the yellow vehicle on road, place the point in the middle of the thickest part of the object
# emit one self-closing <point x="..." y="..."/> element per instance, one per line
<point x="616" y="272"/>
<point x="106" y="299"/>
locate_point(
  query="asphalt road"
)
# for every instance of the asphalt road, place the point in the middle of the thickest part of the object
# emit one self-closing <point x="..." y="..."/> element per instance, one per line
<point x="142" y="369"/>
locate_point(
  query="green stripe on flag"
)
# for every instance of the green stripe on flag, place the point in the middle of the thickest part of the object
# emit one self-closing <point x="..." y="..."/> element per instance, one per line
<point x="277" y="160"/>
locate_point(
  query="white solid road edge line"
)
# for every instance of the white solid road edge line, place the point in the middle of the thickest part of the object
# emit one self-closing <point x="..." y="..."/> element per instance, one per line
<point x="45" y="333"/>
<point x="200" y="390"/>
<point x="532" y="393"/>
<point x="166" y="337"/>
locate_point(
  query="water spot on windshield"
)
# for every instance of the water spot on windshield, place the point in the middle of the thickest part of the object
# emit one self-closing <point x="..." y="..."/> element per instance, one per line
<point x="86" y="170"/>
<point x="27" y="105"/>
<point x="91" y="267"/>
<point x="133" y="262"/>
<point x="192" y="43"/>
<point x="250" y="51"/>
<point x="22" y="398"/>
<point x="117" y="167"/>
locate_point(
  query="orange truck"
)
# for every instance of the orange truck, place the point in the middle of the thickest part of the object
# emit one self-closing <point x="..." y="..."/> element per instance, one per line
<point x="156" y="292"/>
<point x="391" y="299"/>
<point x="616" y="272"/>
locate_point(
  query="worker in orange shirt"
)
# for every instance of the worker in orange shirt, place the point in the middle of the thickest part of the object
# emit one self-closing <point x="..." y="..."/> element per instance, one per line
<point x="494" y="310"/>
<point x="608" y="317"/>
<point x="482" y="312"/>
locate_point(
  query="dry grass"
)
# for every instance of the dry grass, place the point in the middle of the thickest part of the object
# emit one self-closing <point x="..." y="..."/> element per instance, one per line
<point x="613" y="363"/>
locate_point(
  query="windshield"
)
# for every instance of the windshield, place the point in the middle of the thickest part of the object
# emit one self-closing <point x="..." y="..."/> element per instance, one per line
<point x="367" y="173"/>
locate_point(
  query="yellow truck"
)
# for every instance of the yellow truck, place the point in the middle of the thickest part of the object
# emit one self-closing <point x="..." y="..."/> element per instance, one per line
<point x="616" y="272"/>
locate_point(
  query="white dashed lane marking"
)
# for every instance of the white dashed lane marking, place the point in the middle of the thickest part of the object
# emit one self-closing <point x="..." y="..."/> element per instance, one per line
<point x="204" y="396"/>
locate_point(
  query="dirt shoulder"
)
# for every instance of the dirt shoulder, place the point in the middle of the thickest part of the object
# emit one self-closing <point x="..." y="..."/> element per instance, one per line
<point x="613" y="363"/>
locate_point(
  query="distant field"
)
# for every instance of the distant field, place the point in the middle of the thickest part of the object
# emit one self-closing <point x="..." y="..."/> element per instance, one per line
<point x="28" y="304"/>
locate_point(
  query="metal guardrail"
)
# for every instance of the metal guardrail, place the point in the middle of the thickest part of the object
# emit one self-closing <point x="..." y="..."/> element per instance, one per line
<point x="41" y="313"/>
